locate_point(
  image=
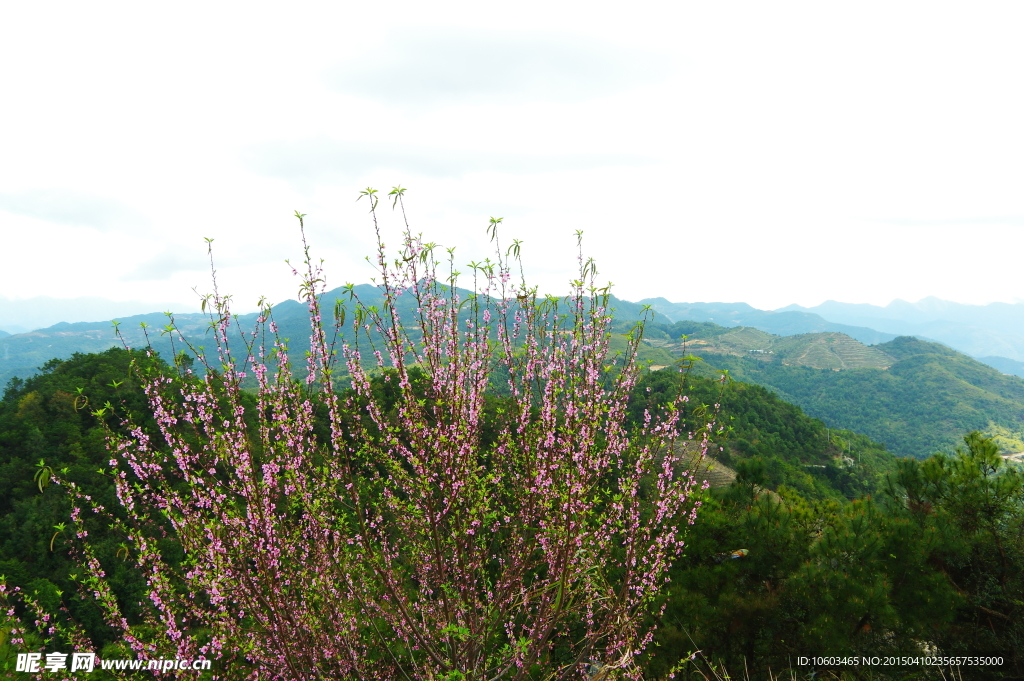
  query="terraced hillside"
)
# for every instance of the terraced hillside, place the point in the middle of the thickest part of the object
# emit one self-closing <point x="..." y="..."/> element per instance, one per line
<point x="712" y="471"/>
<point x="830" y="351"/>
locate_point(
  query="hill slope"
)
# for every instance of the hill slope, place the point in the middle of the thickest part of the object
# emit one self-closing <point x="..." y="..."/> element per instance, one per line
<point x="924" y="401"/>
<point x="818" y="350"/>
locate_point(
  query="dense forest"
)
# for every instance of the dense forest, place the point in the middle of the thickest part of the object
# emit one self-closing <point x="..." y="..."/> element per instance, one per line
<point x="872" y="557"/>
<point x="824" y="543"/>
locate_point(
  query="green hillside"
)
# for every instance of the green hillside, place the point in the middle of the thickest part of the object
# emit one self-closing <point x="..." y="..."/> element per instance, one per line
<point x="913" y="396"/>
<point x="828" y="350"/>
<point x="766" y="434"/>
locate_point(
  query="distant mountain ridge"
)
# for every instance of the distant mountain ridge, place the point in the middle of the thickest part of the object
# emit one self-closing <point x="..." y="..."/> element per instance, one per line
<point x="993" y="334"/>
<point x="912" y="395"/>
<point x="995" y="330"/>
<point x="989" y="333"/>
<point x="22" y="354"/>
<point x="780" y="323"/>
<point x="1005" y="317"/>
<point x="28" y="314"/>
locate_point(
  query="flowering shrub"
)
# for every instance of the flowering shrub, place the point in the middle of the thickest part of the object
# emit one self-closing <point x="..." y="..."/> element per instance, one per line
<point x="446" y="490"/>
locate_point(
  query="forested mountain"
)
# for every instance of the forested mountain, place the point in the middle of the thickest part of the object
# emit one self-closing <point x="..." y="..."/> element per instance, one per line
<point x="818" y="350"/>
<point x="914" y="396"/>
<point x="935" y="562"/>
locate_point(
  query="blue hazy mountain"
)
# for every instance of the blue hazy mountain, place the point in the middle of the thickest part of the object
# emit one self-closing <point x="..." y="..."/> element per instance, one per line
<point x="780" y="323"/>
<point x="23" y="315"/>
<point x="21" y="354"/>
<point x="982" y="331"/>
<point x="993" y="334"/>
<point x="1002" y="317"/>
<point x="1006" y="365"/>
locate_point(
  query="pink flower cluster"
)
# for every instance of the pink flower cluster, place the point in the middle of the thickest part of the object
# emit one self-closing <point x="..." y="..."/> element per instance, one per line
<point x="491" y="517"/>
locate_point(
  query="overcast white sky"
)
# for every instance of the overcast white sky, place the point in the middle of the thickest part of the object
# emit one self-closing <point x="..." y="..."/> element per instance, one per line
<point x="766" y="152"/>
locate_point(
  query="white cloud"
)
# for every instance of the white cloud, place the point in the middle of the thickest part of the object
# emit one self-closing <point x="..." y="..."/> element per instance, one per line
<point x="769" y="152"/>
<point x="68" y="207"/>
<point x="323" y="159"/>
<point x="444" y="66"/>
<point x="167" y="263"/>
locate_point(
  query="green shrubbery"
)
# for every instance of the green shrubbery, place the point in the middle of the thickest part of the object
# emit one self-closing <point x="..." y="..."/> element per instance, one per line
<point x="934" y="563"/>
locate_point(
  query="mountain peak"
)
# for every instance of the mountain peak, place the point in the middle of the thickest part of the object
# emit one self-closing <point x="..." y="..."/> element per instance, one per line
<point x="902" y="347"/>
